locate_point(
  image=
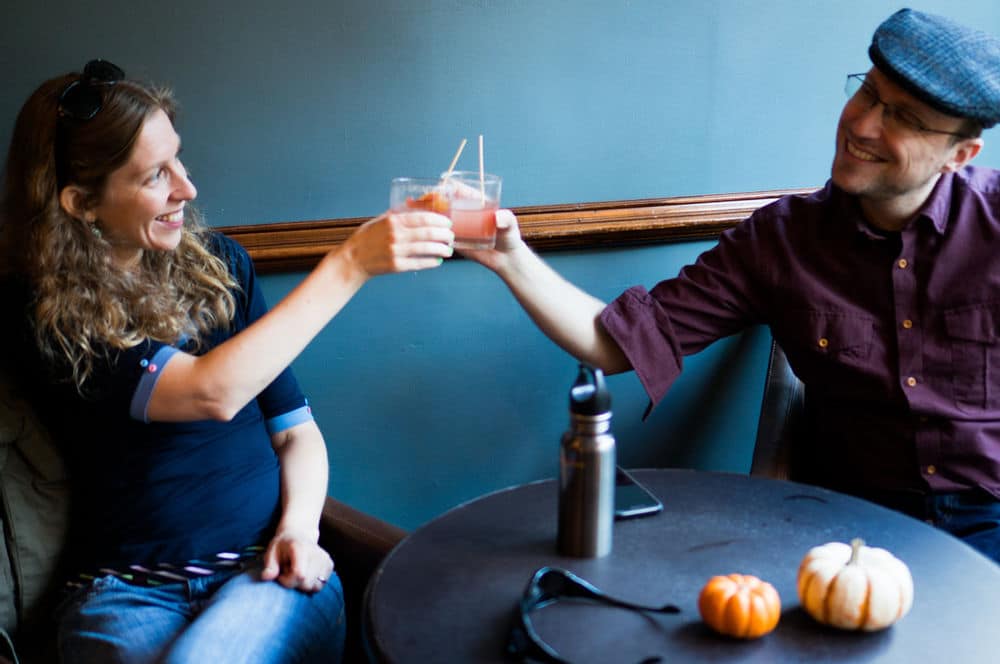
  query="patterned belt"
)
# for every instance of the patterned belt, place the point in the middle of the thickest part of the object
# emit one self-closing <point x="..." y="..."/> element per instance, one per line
<point x="166" y="573"/>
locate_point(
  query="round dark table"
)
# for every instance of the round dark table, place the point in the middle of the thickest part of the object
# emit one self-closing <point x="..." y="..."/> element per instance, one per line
<point x="447" y="593"/>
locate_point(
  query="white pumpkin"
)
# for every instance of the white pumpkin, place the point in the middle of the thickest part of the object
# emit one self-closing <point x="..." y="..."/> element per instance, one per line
<point x="854" y="586"/>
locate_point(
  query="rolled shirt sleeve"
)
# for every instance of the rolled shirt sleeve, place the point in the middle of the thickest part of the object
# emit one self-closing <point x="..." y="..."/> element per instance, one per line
<point x="718" y="295"/>
<point x="642" y="329"/>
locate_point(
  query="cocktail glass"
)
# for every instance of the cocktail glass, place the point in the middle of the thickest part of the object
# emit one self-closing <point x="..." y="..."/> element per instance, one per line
<point x="474" y="200"/>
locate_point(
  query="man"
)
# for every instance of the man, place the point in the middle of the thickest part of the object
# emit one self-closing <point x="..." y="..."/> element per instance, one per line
<point x="883" y="288"/>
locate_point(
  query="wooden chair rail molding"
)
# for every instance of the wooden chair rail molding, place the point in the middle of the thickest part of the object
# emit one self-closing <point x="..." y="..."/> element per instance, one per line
<point x="298" y="245"/>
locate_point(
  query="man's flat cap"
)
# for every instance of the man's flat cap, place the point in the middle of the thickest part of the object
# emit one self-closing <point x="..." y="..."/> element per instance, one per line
<point x="954" y="69"/>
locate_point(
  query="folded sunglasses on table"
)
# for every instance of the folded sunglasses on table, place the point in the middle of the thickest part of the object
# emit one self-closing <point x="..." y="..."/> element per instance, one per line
<point x="547" y="586"/>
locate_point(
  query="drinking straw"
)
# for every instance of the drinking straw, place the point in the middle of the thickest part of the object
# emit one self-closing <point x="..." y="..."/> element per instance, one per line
<point x="482" y="175"/>
<point x="454" y="160"/>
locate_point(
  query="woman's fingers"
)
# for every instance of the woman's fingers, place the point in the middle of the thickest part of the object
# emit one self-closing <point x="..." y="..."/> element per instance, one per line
<point x="420" y="240"/>
<point x="297" y="563"/>
<point x="401" y="242"/>
<point x="411" y="235"/>
<point x="420" y="218"/>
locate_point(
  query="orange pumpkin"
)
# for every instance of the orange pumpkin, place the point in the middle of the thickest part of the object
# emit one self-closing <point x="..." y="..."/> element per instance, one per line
<point x="739" y="605"/>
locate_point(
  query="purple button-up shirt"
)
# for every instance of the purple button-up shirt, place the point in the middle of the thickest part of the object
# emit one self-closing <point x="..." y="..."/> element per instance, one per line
<point x="895" y="335"/>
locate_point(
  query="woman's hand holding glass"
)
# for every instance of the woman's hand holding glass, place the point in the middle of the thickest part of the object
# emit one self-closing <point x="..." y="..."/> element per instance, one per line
<point x="400" y="242"/>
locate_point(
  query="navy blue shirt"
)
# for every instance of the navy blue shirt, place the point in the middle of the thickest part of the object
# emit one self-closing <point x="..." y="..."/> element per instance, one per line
<point x="153" y="492"/>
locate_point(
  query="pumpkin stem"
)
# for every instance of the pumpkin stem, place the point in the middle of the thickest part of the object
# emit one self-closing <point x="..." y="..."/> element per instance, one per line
<point x="856" y="545"/>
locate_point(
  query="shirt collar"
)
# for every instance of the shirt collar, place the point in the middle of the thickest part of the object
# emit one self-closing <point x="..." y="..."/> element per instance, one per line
<point x="849" y="208"/>
<point x="937" y="206"/>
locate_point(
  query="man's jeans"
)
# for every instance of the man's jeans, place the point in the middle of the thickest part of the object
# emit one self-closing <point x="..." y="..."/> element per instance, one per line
<point x="971" y="516"/>
<point x="230" y="617"/>
<point x="975" y="520"/>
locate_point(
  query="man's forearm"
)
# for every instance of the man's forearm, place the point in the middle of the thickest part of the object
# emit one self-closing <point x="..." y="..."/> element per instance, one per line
<point x="564" y="312"/>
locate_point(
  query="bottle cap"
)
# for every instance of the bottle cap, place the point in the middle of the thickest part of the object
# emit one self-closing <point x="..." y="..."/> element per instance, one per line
<point x="589" y="394"/>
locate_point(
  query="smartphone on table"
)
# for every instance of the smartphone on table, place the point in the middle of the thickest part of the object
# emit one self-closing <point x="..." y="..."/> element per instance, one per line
<point x="631" y="498"/>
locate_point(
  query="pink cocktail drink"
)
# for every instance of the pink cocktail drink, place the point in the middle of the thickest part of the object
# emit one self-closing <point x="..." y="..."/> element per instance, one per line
<point x="474" y="223"/>
<point x="475" y="198"/>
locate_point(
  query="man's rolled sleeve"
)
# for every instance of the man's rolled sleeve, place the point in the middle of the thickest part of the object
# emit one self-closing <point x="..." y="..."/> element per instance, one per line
<point x="642" y="329"/>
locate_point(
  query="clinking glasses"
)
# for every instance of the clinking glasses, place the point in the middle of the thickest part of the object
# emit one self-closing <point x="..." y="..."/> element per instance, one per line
<point x="82" y="98"/>
<point x="548" y="585"/>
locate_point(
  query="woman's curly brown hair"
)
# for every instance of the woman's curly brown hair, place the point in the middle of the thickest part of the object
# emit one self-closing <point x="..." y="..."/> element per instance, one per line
<point x="83" y="305"/>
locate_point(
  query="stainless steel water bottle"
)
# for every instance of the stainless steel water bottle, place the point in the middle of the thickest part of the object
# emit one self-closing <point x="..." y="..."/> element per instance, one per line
<point x="587" y="469"/>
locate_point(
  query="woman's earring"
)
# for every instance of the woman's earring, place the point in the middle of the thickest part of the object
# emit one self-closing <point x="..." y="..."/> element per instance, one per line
<point x="95" y="230"/>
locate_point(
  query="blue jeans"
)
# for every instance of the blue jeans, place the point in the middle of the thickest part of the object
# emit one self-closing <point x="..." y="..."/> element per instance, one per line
<point x="971" y="516"/>
<point x="232" y="616"/>
<point x="975" y="521"/>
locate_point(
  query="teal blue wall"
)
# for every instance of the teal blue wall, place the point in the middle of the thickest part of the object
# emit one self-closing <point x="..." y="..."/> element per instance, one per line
<point x="305" y="109"/>
<point x="432" y="388"/>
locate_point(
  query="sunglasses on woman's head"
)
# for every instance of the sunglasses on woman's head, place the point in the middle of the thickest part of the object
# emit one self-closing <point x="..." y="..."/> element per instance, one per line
<point x="548" y="585"/>
<point x="82" y="98"/>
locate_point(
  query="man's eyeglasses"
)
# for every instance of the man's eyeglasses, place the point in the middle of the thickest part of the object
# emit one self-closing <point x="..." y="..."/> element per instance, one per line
<point x="548" y="585"/>
<point x="896" y="118"/>
<point x="82" y="98"/>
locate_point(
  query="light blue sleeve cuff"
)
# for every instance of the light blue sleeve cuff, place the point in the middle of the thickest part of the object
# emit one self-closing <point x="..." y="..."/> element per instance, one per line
<point x="290" y="419"/>
<point x="139" y="407"/>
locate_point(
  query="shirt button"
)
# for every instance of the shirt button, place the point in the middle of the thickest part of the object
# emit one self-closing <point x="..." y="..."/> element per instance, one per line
<point x="907" y="324"/>
<point x="902" y="263"/>
<point x="823" y="342"/>
<point x="931" y="469"/>
<point x="911" y="381"/>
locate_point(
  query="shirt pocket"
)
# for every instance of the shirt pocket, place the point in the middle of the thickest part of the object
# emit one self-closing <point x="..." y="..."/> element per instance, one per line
<point x="828" y="347"/>
<point x="972" y="338"/>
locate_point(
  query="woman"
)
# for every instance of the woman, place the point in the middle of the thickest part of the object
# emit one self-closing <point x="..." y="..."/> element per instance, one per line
<point x="199" y="473"/>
